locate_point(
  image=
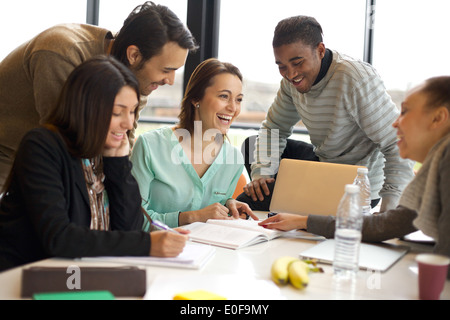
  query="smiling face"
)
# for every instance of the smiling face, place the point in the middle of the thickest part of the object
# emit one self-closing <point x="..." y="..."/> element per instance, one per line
<point x="415" y="127"/>
<point x="299" y="63"/>
<point x="221" y="103"/>
<point x="123" y="115"/>
<point x="160" y="69"/>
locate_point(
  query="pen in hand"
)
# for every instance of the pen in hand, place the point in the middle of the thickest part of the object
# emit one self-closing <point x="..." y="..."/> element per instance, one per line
<point x="162" y="226"/>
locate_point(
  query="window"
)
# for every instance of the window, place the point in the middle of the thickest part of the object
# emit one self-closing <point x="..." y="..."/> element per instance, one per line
<point x="114" y="12"/>
<point x="246" y="32"/>
<point x="21" y="21"/>
<point x="410" y="42"/>
<point x="409" y="46"/>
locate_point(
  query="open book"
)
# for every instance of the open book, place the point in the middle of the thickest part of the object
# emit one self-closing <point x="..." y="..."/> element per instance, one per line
<point x="239" y="233"/>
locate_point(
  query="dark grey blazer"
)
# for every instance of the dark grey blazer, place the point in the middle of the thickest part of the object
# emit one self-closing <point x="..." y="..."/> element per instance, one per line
<point x="46" y="211"/>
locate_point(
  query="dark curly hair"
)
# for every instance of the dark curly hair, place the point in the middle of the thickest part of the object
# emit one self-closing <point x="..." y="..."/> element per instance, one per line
<point x="298" y="28"/>
<point x="150" y="27"/>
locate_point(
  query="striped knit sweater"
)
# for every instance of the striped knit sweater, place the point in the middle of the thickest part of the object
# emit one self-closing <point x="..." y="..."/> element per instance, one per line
<point x="428" y="193"/>
<point x="349" y="117"/>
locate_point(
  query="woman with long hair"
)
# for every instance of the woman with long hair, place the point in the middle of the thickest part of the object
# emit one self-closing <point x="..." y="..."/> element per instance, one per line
<point x="70" y="192"/>
<point x="188" y="172"/>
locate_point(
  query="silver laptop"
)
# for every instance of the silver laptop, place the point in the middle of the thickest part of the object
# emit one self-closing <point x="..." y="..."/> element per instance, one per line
<point x="310" y="187"/>
<point x="375" y="257"/>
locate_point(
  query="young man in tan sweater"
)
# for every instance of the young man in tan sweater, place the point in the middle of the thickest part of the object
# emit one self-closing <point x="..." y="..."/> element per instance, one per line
<point x="153" y="43"/>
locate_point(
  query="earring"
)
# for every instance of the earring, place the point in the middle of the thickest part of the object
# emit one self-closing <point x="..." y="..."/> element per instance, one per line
<point x="197" y="105"/>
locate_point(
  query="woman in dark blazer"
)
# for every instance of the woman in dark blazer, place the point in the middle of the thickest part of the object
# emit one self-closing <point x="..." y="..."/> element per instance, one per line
<point x="70" y="192"/>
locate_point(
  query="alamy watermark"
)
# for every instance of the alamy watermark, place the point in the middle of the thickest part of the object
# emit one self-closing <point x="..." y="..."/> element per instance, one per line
<point x="267" y="154"/>
<point x="74" y="280"/>
<point x="373" y="281"/>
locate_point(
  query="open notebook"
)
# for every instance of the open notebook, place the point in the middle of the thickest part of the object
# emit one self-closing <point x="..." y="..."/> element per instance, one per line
<point x="232" y="234"/>
<point x="310" y="187"/>
<point x="236" y="234"/>
<point x="375" y="257"/>
<point x="194" y="256"/>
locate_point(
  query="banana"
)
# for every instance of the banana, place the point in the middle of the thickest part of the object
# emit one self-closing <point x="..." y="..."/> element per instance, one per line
<point x="289" y="269"/>
<point x="279" y="269"/>
<point x="298" y="274"/>
<point x="313" y="265"/>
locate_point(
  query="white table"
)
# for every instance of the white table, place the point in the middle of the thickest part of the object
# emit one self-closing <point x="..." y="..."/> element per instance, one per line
<point x="253" y="263"/>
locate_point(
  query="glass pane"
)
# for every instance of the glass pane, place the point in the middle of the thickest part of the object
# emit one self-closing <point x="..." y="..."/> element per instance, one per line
<point x="114" y="12"/>
<point x="22" y="20"/>
<point x="410" y="42"/>
<point x="246" y="32"/>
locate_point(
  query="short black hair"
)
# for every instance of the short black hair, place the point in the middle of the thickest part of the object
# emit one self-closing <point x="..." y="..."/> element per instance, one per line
<point x="438" y="91"/>
<point x="298" y="28"/>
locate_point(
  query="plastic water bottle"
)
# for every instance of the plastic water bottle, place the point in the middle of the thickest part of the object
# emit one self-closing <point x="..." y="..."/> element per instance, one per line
<point x="347" y="236"/>
<point x="362" y="180"/>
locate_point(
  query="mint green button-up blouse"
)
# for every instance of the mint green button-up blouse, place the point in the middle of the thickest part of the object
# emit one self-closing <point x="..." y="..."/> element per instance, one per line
<point x="168" y="182"/>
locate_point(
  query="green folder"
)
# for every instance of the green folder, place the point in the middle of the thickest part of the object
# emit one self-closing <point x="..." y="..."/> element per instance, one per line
<point x="75" y="295"/>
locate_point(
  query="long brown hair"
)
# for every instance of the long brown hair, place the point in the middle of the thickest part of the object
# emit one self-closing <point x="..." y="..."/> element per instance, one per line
<point x="85" y="106"/>
<point x="201" y="79"/>
<point x="83" y="113"/>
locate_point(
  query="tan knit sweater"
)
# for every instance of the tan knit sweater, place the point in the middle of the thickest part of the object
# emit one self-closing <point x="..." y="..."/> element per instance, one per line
<point x="32" y="76"/>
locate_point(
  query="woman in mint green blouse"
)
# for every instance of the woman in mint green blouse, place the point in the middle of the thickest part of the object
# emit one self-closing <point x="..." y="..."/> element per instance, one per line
<point x="188" y="172"/>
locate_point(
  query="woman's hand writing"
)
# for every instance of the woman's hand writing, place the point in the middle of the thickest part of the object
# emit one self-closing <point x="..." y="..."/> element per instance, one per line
<point x="168" y="244"/>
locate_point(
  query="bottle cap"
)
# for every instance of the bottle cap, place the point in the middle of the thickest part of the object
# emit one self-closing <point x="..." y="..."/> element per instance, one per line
<point x="363" y="170"/>
<point x="351" y="188"/>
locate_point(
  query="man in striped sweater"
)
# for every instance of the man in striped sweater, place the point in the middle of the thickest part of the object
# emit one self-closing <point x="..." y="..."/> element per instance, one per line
<point x="345" y="107"/>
